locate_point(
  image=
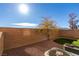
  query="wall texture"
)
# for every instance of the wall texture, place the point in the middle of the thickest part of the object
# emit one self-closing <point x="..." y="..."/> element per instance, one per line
<point x="15" y="37"/>
<point x="69" y="34"/>
<point x="20" y="37"/>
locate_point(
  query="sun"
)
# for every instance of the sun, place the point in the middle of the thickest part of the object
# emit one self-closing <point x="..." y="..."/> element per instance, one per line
<point x="23" y="8"/>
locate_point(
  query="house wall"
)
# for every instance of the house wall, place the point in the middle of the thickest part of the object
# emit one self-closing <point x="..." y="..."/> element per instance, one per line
<point x="69" y="33"/>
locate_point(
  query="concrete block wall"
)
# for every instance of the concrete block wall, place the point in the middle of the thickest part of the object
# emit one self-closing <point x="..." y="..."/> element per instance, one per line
<point x="20" y="37"/>
<point x="74" y="34"/>
<point x="17" y="37"/>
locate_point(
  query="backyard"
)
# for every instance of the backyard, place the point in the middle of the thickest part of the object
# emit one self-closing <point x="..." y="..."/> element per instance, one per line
<point x="28" y="43"/>
<point x="47" y="30"/>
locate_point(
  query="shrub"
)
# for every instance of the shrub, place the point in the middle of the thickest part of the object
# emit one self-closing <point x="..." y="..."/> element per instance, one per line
<point x="76" y="43"/>
<point x="63" y="40"/>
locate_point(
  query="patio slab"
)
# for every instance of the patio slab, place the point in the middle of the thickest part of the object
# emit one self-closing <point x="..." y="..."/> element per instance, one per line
<point x="37" y="49"/>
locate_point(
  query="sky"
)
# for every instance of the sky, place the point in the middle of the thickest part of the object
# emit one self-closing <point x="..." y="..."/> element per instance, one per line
<point x="10" y="16"/>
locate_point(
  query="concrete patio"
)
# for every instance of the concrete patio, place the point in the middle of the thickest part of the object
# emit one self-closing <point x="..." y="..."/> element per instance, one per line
<point x="36" y="49"/>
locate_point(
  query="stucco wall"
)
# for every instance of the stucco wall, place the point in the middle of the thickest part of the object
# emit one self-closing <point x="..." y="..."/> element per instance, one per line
<point x="15" y="37"/>
<point x="20" y="37"/>
<point x="69" y="33"/>
<point x="54" y="34"/>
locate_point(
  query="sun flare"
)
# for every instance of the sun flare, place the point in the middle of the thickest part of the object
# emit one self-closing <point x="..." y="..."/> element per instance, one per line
<point x="23" y="8"/>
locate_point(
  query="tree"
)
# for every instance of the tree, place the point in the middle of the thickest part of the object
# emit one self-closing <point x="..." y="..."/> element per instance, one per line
<point x="46" y="25"/>
<point x="73" y="22"/>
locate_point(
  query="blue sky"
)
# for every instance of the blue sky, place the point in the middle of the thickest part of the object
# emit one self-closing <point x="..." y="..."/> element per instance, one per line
<point x="11" y="17"/>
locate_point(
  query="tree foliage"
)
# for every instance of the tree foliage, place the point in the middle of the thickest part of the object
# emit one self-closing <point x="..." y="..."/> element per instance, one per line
<point x="47" y="26"/>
